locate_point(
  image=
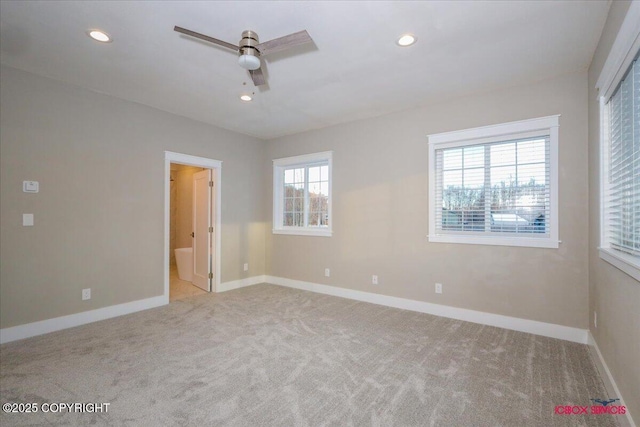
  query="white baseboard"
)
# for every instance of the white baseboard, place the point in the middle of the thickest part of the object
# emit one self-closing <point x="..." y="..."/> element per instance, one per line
<point x="58" y="323"/>
<point x="605" y="373"/>
<point x="514" y="323"/>
<point x="235" y="284"/>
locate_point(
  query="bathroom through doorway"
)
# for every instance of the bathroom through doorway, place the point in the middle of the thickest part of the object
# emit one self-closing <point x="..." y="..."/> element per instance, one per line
<point x="192" y="220"/>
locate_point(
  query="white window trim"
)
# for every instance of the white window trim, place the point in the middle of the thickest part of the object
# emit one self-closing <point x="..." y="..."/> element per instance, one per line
<point x="496" y="133"/>
<point x="278" y="166"/>
<point x="623" y="50"/>
<point x="621" y="261"/>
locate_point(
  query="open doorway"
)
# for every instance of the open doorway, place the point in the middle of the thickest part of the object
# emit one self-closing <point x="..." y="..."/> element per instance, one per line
<point x="192" y="223"/>
<point x="188" y="209"/>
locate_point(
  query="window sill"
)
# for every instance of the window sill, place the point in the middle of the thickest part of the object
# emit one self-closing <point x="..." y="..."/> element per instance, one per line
<point x="496" y="241"/>
<point x="622" y="261"/>
<point x="303" y="232"/>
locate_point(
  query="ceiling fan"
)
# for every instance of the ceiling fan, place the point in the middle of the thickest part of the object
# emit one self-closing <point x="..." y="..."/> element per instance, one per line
<point x="250" y="50"/>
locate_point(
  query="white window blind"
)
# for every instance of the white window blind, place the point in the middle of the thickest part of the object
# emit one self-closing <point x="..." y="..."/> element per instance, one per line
<point x="621" y="131"/>
<point x="302" y="195"/>
<point x="495" y="185"/>
<point x="500" y="187"/>
<point x="306" y="195"/>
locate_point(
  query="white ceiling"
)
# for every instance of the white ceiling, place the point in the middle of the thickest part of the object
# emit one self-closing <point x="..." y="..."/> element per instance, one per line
<point x="353" y="70"/>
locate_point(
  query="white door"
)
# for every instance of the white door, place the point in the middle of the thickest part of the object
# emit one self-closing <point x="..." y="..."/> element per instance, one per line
<point x="203" y="229"/>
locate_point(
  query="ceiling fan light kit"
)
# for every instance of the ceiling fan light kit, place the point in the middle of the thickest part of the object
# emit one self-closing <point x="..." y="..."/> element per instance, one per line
<point x="249" y="62"/>
<point x="250" y="49"/>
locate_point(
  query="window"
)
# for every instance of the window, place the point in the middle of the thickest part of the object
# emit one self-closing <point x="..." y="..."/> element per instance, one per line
<point x="302" y="195"/>
<point x="619" y="86"/>
<point x="495" y="185"/>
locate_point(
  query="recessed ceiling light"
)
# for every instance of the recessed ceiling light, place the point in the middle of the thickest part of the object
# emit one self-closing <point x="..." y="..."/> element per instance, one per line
<point x="100" y="36"/>
<point x="246" y="98"/>
<point x="406" y="40"/>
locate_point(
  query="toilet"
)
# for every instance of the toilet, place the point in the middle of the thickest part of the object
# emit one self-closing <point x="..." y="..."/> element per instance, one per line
<point x="184" y="260"/>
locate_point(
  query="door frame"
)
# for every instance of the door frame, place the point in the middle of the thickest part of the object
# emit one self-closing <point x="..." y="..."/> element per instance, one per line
<point x="202" y="162"/>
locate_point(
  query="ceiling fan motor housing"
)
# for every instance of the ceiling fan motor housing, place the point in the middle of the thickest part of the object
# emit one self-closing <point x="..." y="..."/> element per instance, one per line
<point x="249" y="55"/>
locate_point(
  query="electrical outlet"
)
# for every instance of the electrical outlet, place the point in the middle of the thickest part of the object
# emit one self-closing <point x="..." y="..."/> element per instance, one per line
<point x="327" y="272"/>
<point x="595" y="319"/>
<point x="246" y="266"/>
<point x="374" y="280"/>
<point x="438" y="288"/>
<point x="86" y="294"/>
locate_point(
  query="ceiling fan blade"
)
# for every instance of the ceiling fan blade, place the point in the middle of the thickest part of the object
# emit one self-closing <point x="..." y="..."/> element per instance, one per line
<point x="282" y="43"/>
<point x="206" y="38"/>
<point x="257" y="77"/>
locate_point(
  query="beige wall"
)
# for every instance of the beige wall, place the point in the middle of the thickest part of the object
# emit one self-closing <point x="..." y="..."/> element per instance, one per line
<point x="181" y="219"/>
<point x="184" y="206"/>
<point x="99" y="216"/>
<point x="380" y="211"/>
<point x="614" y="295"/>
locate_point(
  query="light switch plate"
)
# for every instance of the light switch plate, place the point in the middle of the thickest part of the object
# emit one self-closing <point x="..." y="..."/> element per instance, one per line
<point x="30" y="186"/>
<point x="27" y="220"/>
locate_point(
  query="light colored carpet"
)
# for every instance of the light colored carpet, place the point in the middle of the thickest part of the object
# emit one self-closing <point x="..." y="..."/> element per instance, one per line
<point x="273" y="356"/>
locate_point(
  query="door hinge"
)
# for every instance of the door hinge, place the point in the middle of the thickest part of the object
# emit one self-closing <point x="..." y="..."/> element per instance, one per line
<point x="210" y="275"/>
<point x="210" y="183"/>
<point x="210" y="229"/>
